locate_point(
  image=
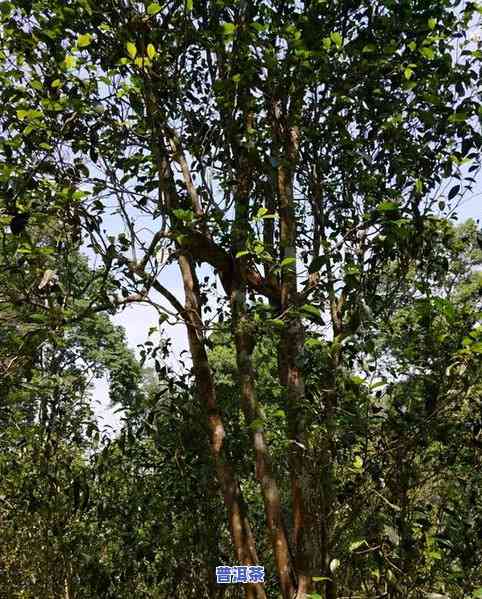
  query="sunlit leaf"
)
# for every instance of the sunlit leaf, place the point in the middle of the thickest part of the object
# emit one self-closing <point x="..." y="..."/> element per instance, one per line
<point x="84" y="40"/>
<point x="153" y="9"/>
<point x="288" y="262"/>
<point x="408" y="73"/>
<point x="358" y="463"/>
<point x="336" y="38"/>
<point x="310" y="310"/>
<point x="427" y="52"/>
<point x="357" y="544"/>
<point x="334" y="565"/>
<point x="70" y="61"/>
<point x="131" y="50"/>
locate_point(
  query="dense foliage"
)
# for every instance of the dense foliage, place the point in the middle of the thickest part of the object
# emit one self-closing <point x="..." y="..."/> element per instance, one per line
<point x="296" y="164"/>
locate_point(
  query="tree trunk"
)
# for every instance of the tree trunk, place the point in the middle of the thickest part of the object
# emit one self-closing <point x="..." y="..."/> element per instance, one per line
<point x="244" y="341"/>
<point x="272" y="502"/>
<point x="241" y="533"/>
<point x="242" y="536"/>
<point x="290" y="351"/>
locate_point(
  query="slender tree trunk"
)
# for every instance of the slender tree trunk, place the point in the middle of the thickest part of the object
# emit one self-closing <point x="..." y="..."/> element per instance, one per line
<point x="66" y="589"/>
<point x="68" y="578"/>
<point x="243" y="539"/>
<point x="241" y="533"/>
<point x="291" y="350"/>
<point x="325" y="454"/>
<point x="271" y="496"/>
<point x="244" y="344"/>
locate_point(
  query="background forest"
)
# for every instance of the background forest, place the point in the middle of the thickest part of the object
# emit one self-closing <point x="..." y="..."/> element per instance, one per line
<point x="295" y="169"/>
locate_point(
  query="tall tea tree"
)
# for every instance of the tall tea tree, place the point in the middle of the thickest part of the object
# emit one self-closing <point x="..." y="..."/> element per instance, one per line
<point x="295" y="148"/>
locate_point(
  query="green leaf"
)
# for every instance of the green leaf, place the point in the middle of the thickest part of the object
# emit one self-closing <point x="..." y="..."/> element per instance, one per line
<point x="242" y="253"/>
<point x="453" y="192"/>
<point x="458" y="117"/>
<point x="153" y="9"/>
<point x="408" y="72"/>
<point x="387" y="206"/>
<point x="142" y="61"/>
<point x="352" y="269"/>
<point x="6" y="8"/>
<point x="131" y="50"/>
<point x="256" y="424"/>
<point x="84" y="40"/>
<point x="312" y="343"/>
<point x="316" y="264"/>
<point x="377" y="384"/>
<point x="228" y="29"/>
<point x="288" y="262"/>
<point x="326" y="43"/>
<point x="184" y="215"/>
<point x="311" y="310"/>
<point x="336" y="38"/>
<point x="358" y="463"/>
<point x="391" y="532"/>
<point x="28" y="114"/>
<point x="276" y="322"/>
<point x="189" y="5"/>
<point x="369" y="48"/>
<point x="258" y="248"/>
<point x="334" y="565"/>
<point x="357" y="544"/>
<point x="70" y="61"/>
<point x="431" y="23"/>
<point x="151" y="51"/>
<point x="427" y="52"/>
<point x="477" y="594"/>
